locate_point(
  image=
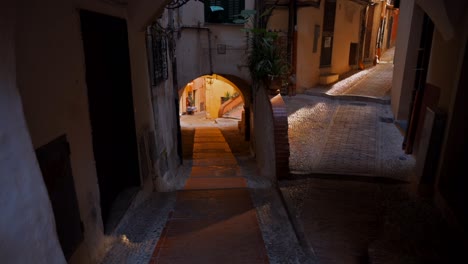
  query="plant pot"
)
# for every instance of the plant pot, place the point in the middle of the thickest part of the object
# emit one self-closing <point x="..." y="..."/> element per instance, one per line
<point x="274" y="86"/>
<point x="224" y="99"/>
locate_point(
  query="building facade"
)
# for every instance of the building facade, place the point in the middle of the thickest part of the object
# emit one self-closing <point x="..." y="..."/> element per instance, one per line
<point x="84" y="117"/>
<point x="79" y="124"/>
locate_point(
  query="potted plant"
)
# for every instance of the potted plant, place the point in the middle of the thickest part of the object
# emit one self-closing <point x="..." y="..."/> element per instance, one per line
<point x="267" y="61"/>
<point x="227" y="96"/>
<point x="267" y="58"/>
<point x="191" y="108"/>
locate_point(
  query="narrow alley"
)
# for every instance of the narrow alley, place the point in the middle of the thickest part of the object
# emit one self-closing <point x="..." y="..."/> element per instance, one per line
<point x="221" y="214"/>
<point x="346" y="129"/>
<point x="346" y="200"/>
<point x="233" y="131"/>
<point x="213" y="214"/>
<point x="350" y="178"/>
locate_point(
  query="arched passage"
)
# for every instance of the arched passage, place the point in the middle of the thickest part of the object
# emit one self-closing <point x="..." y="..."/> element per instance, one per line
<point x="216" y="95"/>
<point x="213" y="140"/>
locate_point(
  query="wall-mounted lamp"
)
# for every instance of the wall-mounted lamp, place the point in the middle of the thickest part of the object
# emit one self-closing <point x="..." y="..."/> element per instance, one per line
<point x="209" y="79"/>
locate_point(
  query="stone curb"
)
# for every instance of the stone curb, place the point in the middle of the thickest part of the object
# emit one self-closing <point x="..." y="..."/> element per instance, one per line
<point x="369" y="99"/>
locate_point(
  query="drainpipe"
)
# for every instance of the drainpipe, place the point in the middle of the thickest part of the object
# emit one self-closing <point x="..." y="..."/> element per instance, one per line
<point x="209" y="52"/>
<point x="208" y="30"/>
<point x="292" y="34"/>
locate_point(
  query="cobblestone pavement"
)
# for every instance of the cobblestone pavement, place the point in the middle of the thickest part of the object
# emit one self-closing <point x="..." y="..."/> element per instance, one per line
<point x="344" y="219"/>
<point x="214" y="216"/>
<point x="373" y="83"/>
<point x="344" y="132"/>
<point x="381" y="77"/>
<point x="377" y="83"/>
<point x="345" y="137"/>
<point x="142" y="226"/>
<point x="139" y="231"/>
<point x="350" y="197"/>
<point x="354" y="222"/>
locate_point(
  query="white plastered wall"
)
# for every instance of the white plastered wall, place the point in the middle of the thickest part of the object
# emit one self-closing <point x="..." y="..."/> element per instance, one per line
<point x="27" y="227"/>
<point x="198" y="43"/>
<point x="51" y="80"/>
<point x="407" y="43"/>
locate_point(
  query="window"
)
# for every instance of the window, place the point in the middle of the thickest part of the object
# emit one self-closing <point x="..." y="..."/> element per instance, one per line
<point x="222" y="11"/>
<point x="157" y="51"/>
<point x="353" y="53"/>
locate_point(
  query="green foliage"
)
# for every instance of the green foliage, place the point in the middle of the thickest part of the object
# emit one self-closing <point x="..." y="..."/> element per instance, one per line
<point x="267" y="57"/>
<point x="244" y="16"/>
<point x="191" y="99"/>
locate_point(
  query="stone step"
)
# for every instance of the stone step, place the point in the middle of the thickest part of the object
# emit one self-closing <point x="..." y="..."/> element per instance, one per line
<point x="328" y="78"/>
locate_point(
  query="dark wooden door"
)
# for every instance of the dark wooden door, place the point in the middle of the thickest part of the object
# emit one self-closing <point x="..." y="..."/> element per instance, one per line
<point x="105" y="42"/>
<point x="327" y="47"/>
<point x="54" y="160"/>
<point x="353" y="53"/>
<point x="369" y="26"/>
<point x="327" y="34"/>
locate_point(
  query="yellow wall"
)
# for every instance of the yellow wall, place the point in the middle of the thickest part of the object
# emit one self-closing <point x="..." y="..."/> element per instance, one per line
<point x="307" y="66"/>
<point x="214" y="92"/>
<point x="347" y="22"/>
<point x="375" y="31"/>
<point x="279" y="20"/>
<point x="346" y="32"/>
<point x="200" y="95"/>
<point x="208" y="94"/>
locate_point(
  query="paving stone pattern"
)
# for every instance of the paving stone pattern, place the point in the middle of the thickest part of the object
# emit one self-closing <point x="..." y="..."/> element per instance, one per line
<point x="214" y="220"/>
<point x="139" y="231"/>
<point x="337" y="134"/>
<point x="278" y="233"/>
<point x="381" y="77"/>
<point x="308" y="120"/>
<point x="351" y="143"/>
<point x="339" y="218"/>
<point x="376" y="223"/>
<point x="360" y="218"/>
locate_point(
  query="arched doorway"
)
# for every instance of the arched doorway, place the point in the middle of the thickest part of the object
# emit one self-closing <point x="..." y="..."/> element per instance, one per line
<point x="211" y="95"/>
<point x="213" y="118"/>
<point x="216" y="97"/>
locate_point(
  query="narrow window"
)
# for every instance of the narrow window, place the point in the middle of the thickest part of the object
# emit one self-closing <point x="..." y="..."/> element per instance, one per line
<point x="157" y="54"/>
<point x="223" y="11"/>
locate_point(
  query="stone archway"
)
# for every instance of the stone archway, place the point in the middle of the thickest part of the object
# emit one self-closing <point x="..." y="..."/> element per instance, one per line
<point x="240" y="85"/>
